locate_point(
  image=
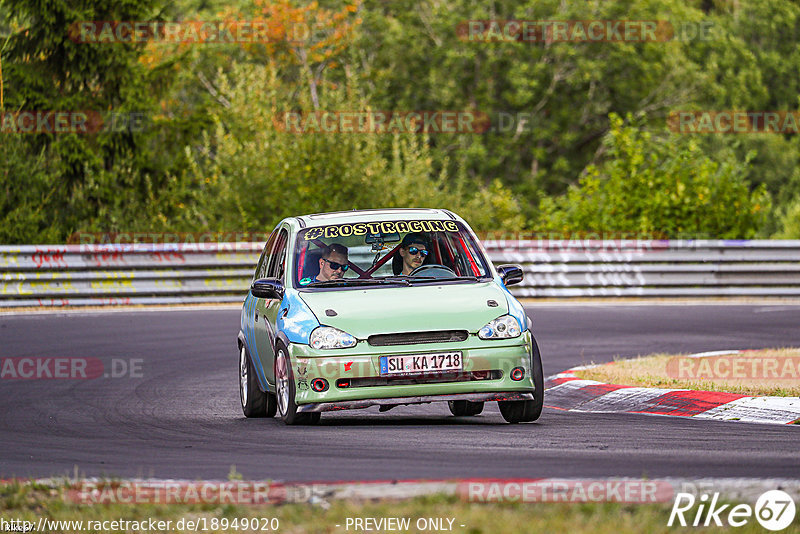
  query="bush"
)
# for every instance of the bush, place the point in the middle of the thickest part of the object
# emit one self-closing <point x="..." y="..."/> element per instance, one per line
<point x="253" y="173"/>
<point x="789" y="221"/>
<point x="662" y="186"/>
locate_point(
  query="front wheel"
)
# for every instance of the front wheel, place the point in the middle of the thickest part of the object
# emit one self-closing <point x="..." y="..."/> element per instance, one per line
<point x="527" y="410"/>
<point x="461" y="408"/>
<point x="255" y="403"/>
<point x="285" y="389"/>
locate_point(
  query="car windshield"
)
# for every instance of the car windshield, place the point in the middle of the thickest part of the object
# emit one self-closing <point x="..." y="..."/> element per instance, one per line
<point x="400" y="253"/>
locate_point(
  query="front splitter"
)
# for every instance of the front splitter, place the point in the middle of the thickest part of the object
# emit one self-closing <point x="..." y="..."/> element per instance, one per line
<point x="395" y="401"/>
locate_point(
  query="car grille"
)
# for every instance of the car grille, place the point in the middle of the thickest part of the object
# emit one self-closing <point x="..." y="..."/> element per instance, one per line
<point x="432" y="378"/>
<point x="414" y="338"/>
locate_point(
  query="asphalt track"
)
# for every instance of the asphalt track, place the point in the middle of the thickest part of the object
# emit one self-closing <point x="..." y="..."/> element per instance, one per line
<point x="181" y="418"/>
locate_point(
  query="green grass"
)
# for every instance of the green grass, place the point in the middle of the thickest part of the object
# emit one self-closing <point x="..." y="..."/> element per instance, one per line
<point x="659" y="371"/>
<point x="30" y="502"/>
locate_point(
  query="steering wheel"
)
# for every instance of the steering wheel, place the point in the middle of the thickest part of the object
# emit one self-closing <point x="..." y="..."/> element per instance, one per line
<point x="435" y="270"/>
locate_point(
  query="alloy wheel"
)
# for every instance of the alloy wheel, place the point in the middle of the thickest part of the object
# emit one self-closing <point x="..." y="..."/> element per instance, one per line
<point x="282" y="382"/>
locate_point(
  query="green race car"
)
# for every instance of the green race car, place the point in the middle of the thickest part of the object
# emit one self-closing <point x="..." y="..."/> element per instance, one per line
<point x="384" y="307"/>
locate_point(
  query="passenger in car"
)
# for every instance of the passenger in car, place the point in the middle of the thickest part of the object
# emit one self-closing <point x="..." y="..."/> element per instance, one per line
<point x="413" y="252"/>
<point x="333" y="263"/>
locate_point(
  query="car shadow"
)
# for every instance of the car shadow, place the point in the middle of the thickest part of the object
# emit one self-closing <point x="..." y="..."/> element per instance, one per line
<point x="380" y="420"/>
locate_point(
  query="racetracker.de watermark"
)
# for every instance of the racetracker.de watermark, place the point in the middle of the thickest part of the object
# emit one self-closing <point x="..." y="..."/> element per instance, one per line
<point x="581" y="31"/>
<point x="180" y="492"/>
<point x="69" y="368"/>
<point x="566" y="490"/>
<point x="734" y="367"/>
<point x="197" y="32"/>
<point x="381" y="122"/>
<point x="576" y="242"/>
<point x="734" y="122"/>
<point x="72" y="122"/>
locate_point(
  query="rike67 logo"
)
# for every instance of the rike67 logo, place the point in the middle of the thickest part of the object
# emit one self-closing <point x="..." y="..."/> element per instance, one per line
<point x="774" y="510"/>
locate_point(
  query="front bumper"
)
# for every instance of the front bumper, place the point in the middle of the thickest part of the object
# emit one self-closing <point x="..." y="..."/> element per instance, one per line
<point x="361" y="365"/>
<point x="397" y="401"/>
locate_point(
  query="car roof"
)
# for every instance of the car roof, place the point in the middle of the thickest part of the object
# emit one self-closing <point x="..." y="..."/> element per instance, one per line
<point x="374" y="215"/>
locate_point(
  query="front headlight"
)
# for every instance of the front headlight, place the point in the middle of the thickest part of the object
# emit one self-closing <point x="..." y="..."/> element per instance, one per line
<point x="504" y="327"/>
<point x="327" y="337"/>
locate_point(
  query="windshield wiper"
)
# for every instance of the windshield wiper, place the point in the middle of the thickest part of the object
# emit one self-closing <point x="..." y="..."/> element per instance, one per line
<point x="413" y="279"/>
<point x="355" y="282"/>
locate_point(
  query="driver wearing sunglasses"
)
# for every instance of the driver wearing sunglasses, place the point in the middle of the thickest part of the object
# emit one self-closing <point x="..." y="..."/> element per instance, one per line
<point x="413" y="252"/>
<point x="333" y="263"/>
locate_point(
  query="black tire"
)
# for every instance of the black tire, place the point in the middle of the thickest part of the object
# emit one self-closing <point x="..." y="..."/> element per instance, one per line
<point x="462" y="408"/>
<point x="285" y="390"/>
<point x="527" y="410"/>
<point x="255" y="403"/>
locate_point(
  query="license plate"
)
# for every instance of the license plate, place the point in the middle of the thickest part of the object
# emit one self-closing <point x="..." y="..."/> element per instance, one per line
<point x="408" y="364"/>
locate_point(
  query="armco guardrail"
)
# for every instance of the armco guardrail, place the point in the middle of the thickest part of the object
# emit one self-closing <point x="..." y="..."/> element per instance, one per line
<point x="653" y="268"/>
<point x="79" y="275"/>
<point x="121" y="274"/>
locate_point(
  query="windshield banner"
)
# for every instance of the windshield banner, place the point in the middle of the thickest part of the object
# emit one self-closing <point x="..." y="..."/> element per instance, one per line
<point x="346" y="230"/>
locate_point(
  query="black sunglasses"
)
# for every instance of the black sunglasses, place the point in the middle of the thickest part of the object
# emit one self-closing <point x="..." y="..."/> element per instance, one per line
<point x="336" y="266"/>
<point x="414" y="251"/>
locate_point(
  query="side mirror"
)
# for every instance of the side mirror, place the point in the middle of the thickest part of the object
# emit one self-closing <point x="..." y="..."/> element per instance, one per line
<point x="267" y="288"/>
<point x="510" y="274"/>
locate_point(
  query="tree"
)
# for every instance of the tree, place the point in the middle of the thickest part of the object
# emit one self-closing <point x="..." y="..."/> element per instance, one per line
<point x="658" y="185"/>
<point x="549" y="100"/>
<point x="253" y="171"/>
<point x="102" y="181"/>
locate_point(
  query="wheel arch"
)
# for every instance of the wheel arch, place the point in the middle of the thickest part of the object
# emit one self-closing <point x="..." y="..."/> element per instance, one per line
<point x="241" y="341"/>
<point x="282" y="337"/>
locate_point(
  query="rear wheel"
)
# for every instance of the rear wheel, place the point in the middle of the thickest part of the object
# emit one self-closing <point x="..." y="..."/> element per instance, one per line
<point x="461" y="408"/>
<point x="255" y="403"/>
<point x="285" y="389"/>
<point x="527" y="410"/>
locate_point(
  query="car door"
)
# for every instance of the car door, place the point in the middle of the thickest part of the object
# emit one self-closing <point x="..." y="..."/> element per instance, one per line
<point x="254" y="323"/>
<point x="267" y="309"/>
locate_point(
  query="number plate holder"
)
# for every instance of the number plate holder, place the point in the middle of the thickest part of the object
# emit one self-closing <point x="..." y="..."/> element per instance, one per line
<point x="414" y="364"/>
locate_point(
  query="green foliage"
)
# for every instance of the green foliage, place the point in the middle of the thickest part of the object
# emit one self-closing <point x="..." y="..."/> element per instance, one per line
<point x="751" y="62"/>
<point x="57" y="184"/>
<point x="212" y="158"/>
<point x="563" y="91"/>
<point x="789" y="220"/>
<point x="252" y="172"/>
<point x="658" y="186"/>
<point x="24" y="217"/>
<point x="44" y="70"/>
<point x="494" y="208"/>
